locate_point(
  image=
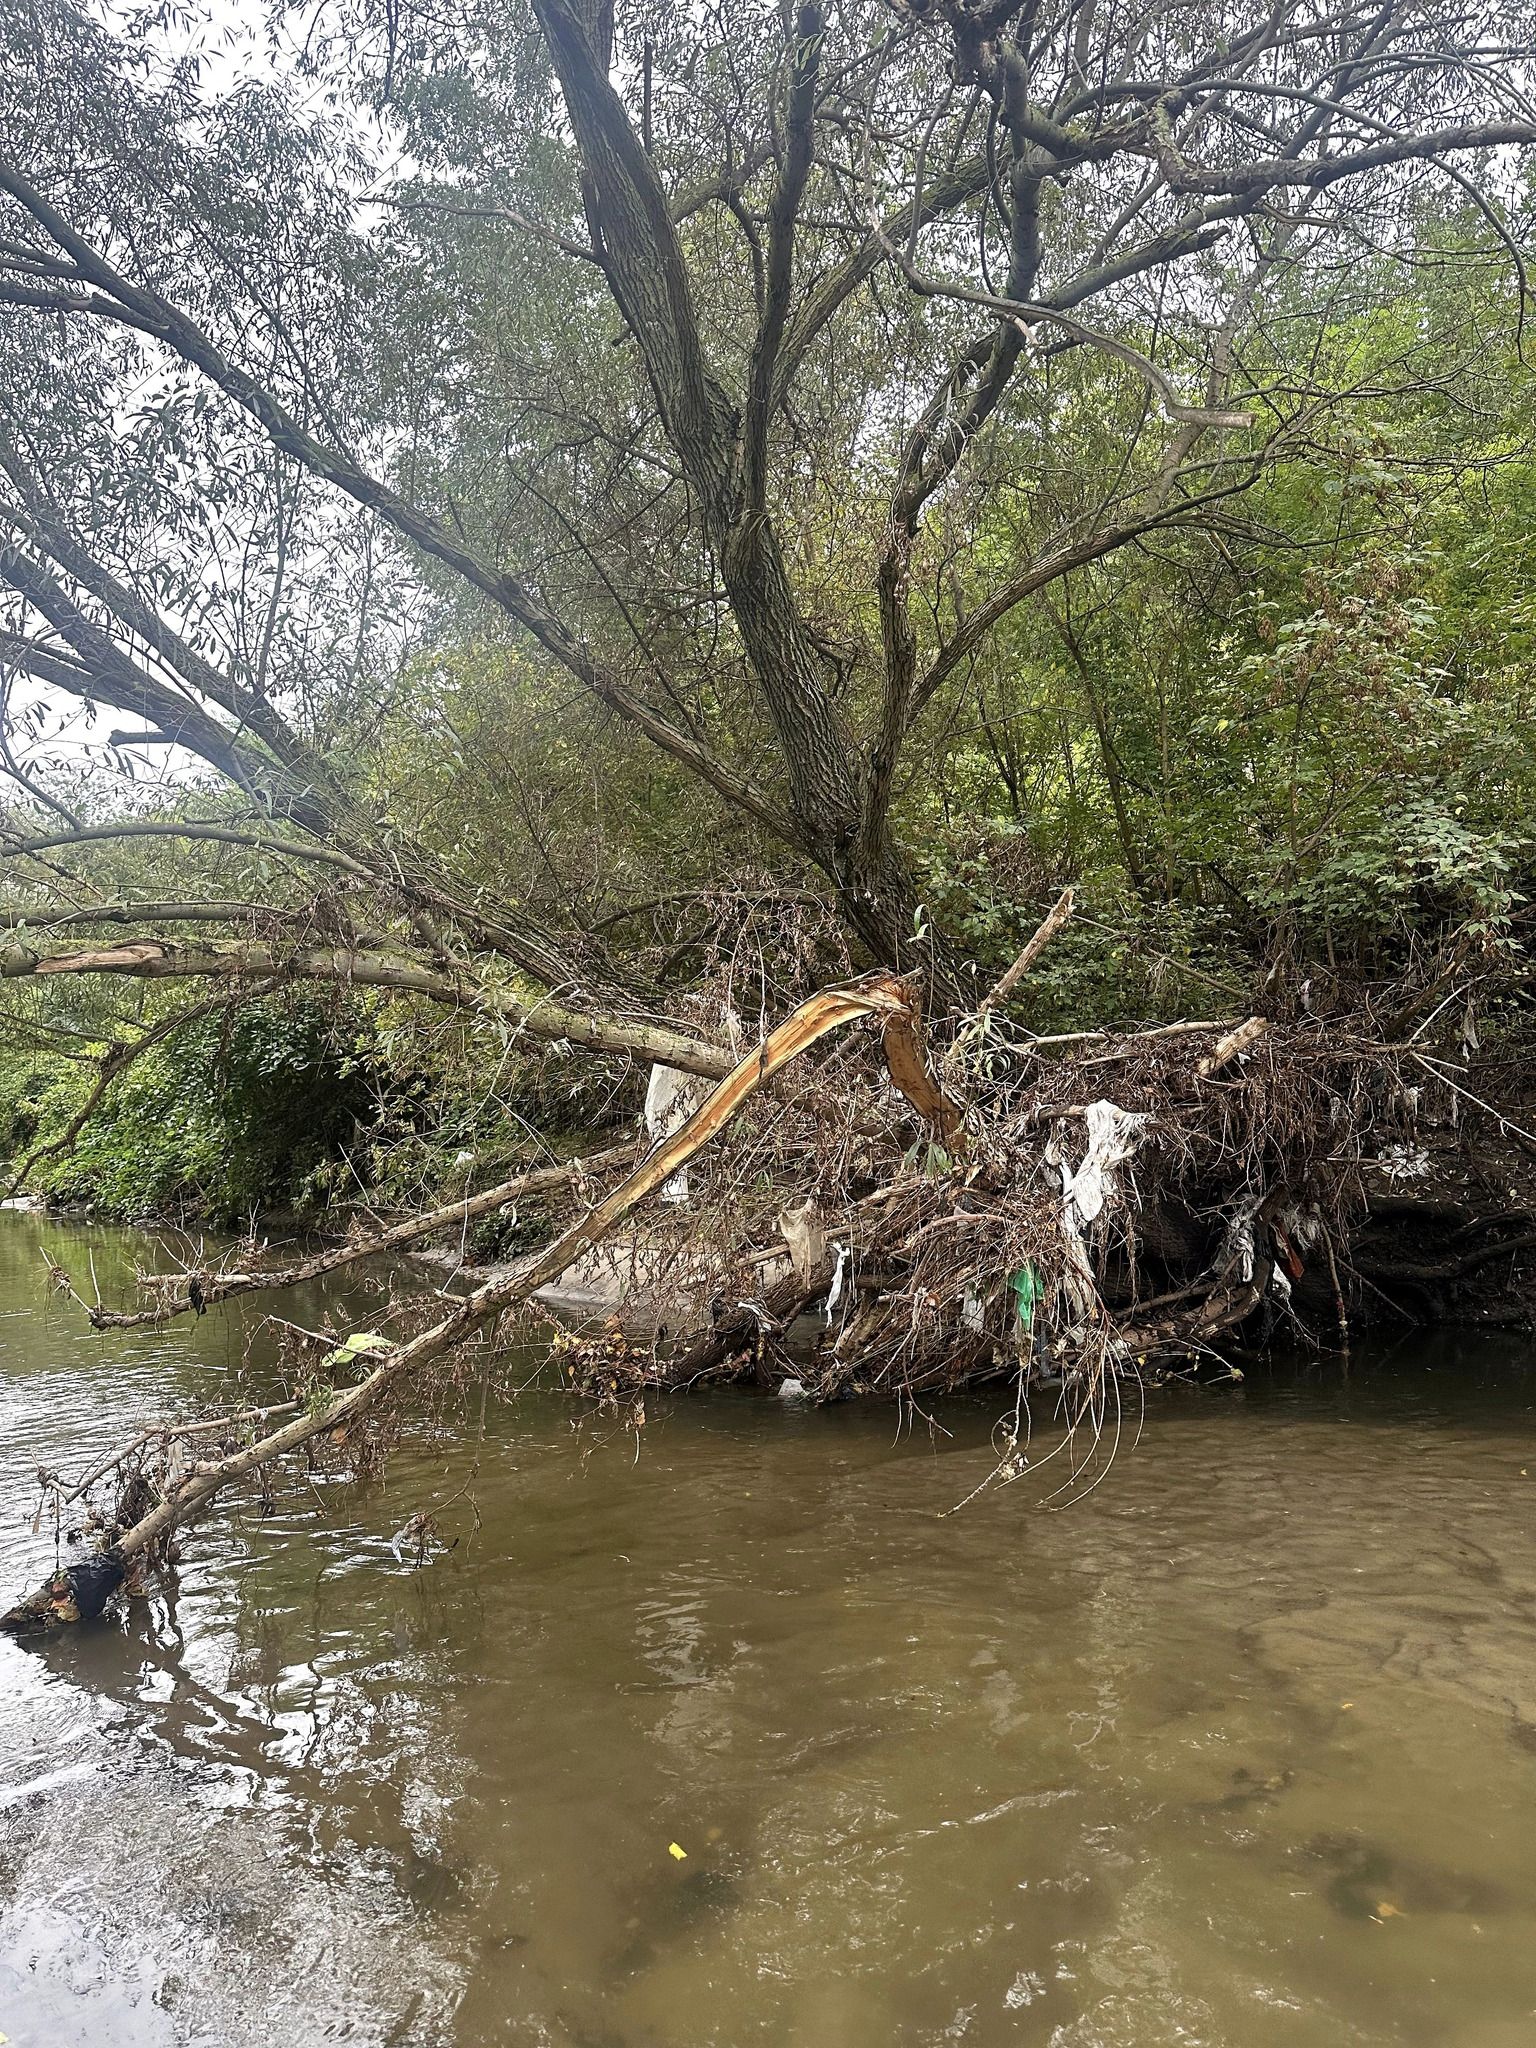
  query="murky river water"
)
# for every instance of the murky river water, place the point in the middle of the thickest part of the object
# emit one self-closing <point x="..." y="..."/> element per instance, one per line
<point x="1241" y="1751"/>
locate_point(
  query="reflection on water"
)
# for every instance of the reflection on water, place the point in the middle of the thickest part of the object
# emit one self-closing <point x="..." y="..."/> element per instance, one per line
<point x="1241" y="1751"/>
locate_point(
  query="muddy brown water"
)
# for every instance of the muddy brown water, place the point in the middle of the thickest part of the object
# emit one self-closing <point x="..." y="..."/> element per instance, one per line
<point x="1239" y="1751"/>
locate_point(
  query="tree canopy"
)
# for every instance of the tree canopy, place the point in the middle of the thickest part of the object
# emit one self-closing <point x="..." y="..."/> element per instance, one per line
<point x="511" y="498"/>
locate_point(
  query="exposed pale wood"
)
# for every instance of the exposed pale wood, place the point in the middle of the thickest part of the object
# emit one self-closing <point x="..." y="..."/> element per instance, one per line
<point x="1057" y="916"/>
<point x="1232" y="1046"/>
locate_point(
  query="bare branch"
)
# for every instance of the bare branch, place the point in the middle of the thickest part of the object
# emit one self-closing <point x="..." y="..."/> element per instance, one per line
<point x="1025" y="313"/>
<point x="186" y="828"/>
<point x="1056" y="917"/>
<point x="158" y="959"/>
<point x="202" y="1288"/>
<point x="789" y="190"/>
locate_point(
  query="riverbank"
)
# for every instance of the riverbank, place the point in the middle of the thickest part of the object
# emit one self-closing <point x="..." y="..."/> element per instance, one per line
<point x="1082" y="1212"/>
<point x="1439" y="1230"/>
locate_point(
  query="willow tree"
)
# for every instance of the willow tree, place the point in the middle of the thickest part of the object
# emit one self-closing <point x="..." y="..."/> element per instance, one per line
<point x="685" y="348"/>
<point x="741" y="369"/>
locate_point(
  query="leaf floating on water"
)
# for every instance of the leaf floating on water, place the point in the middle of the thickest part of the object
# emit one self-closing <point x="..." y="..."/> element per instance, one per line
<point x="680" y="1855"/>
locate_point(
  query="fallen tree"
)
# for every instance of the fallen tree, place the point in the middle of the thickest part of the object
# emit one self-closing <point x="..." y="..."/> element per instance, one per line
<point x="84" y="1588"/>
<point x="1062" y="1218"/>
<point x="926" y="234"/>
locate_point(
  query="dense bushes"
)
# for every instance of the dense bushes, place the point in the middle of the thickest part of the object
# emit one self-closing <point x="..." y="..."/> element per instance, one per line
<point x="233" y="1114"/>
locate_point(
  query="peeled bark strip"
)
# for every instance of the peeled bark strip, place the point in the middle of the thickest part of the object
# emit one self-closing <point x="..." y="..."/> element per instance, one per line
<point x="880" y="995"/>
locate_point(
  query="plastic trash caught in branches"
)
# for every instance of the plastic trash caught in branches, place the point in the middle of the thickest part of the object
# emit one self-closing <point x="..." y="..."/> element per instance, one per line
<point x="671" y="1097"/>
<point x="1111" y="1141"/>
<point x="800" y="1226"/>
<point x="1026" y="1292"/>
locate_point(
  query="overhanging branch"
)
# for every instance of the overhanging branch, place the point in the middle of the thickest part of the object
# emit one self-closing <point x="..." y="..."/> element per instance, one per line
<point x="160" y="959"/>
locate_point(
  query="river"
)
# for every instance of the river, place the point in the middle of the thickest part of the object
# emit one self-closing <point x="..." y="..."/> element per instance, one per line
<point x="1238" y="1752"/>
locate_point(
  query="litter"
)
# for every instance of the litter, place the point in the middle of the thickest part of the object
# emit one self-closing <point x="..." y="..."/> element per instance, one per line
<point x="1111" y="1141"/>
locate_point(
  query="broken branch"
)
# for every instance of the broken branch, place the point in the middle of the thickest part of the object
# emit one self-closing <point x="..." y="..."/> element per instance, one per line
<point x="885" y="996"/>
<point x="1058" y="915"/>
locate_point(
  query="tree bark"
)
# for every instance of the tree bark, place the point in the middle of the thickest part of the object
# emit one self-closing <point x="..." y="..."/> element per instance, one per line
<point x="157" y="959"/>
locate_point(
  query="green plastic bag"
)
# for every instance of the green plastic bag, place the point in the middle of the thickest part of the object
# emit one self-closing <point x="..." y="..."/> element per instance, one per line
<point x="1026" y="1292"/>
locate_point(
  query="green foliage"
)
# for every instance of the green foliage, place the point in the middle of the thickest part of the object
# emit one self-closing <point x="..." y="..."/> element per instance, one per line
<point x="1308" y="734"/>
<point x="460" y="1105"/>
<point x="220" y="1120"/>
